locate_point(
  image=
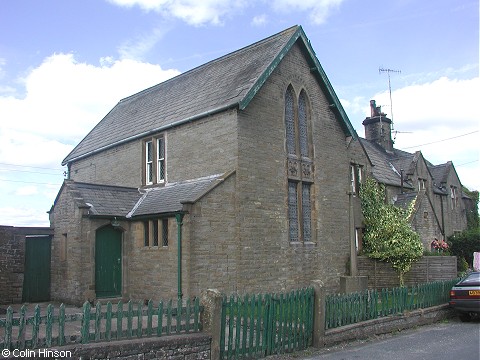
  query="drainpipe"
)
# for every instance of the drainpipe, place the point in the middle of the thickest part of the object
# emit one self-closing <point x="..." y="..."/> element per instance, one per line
<point x="401" y="181"/>
<point x="179" y="218"/>
<point x="353" y="249"/>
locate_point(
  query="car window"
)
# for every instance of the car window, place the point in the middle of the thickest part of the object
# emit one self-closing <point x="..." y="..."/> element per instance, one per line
<point x="472" y="279"/>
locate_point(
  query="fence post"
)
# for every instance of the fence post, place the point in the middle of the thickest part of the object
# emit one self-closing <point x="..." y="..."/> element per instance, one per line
<point x="318" y="314"/>
<point x="211" y="319"/>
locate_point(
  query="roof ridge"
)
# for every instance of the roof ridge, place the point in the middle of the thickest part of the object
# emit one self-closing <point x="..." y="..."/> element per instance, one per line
<point x="209" y="63"/>
<point x="76" y="183"/>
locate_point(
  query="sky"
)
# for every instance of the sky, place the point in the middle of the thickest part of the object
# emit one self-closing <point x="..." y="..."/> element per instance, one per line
<point x="65" y="64"/>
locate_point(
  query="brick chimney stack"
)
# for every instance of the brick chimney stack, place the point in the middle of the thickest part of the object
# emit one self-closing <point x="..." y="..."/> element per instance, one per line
<point x="378" y="128"/>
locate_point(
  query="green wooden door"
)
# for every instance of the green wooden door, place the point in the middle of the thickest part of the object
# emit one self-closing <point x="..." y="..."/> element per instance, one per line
<point x="36" y="280"/>
<point x="108" y="262"/>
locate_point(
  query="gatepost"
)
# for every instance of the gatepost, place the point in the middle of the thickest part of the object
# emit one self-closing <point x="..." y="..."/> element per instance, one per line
<point x="211" y="318"/>
<point x="319" y="314"/>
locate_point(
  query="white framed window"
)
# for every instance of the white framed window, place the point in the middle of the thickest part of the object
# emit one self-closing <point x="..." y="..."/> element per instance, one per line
<point x="453" y="197"/>
<point x="155" y="165"/>
<point x="421" y="184"/>
<point x="160" y="160"/>
<point x="149" y="162"/>
<point x="355" y="178"/>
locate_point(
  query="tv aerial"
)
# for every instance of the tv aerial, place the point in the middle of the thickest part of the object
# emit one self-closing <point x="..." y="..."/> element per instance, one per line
<point x="388" y="71"/>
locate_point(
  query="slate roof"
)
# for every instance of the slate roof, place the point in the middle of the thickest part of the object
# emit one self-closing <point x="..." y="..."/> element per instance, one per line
<point x="104" y="200"/>
<point x="229" y="81"/>
<point x="404" y="200"/>
<point x="170" y="198"/>
<point x="383" y="168"/>
<point x="125" y="202"/>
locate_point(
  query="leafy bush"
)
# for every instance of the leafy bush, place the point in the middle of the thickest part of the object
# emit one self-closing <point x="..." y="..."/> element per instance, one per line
<point x="463" y="245"/>
<point x="462" y="265"/>
<point x="388" y="236"/>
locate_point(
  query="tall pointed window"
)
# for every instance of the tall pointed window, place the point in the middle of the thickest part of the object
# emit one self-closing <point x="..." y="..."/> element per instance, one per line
<point x="299" y="167"/>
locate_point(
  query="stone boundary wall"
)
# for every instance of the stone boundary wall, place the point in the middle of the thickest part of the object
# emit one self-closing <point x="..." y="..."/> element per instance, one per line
<point x="389" y="324"/>
<point x="12" y="260"/>
<point x="427" y="269"/>
<point x="178" y="347"/>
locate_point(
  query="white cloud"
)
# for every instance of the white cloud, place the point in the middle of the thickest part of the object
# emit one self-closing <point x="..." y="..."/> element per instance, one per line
<point x="193" y="12"/>
<point x="438" y="118"/>
<point x="197" y="13"/>
<point x="27" y="190"/>
<point x="136" y="48"/>
<point x="64" y="99"/>
<point x="259" y="20"/>
<point x="318" y="10"/>
<point x="23" y="216"/>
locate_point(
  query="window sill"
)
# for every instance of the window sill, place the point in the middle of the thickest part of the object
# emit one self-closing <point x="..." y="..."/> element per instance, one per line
<point x="300" y="243"/>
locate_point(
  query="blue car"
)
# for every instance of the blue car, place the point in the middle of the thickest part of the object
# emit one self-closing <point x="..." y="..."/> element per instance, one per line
<point x="465" y="297"/>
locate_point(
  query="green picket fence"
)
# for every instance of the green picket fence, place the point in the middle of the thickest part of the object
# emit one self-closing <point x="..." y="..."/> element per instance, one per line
<point x="96" y="324"/>
<point x="345" y="309"/>
<point x="261" y="325"/>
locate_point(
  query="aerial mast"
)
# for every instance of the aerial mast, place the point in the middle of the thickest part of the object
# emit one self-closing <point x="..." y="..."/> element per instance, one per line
<point x="388" y="71"/>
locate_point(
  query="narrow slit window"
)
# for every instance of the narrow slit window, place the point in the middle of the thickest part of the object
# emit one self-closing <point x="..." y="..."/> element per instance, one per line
<point x="293" y="211"/>
<point x="161" y="160"/>
<point x="306" y="212"/>
<point x="149" y="162"/>
<point x="146" y="233"/>
<point x="290" y="122"/>
<point x="165" y="232"/>
<point x="302" y="125"/>
<point x="155" y="233"/>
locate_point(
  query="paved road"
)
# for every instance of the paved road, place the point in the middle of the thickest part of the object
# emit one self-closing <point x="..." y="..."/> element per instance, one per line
<point x="451" y="340"/>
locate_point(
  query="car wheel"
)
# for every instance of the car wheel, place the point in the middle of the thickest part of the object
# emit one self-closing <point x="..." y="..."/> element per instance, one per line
<point x="464" y="317"/>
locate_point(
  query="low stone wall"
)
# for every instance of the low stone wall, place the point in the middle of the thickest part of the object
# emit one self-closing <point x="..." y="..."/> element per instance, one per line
<point x="12" y="260"/>
<point x="384" y="325"/>
<point x="427" y="269"/>
<point x="178" y="347"/>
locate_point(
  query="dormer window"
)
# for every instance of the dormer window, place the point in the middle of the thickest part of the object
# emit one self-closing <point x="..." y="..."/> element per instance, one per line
<point x="155" y="161"/>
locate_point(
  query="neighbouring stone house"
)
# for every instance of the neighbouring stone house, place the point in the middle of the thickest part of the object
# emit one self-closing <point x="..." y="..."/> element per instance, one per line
<point x="233" y="175"/>
<point x="440" y="208"/>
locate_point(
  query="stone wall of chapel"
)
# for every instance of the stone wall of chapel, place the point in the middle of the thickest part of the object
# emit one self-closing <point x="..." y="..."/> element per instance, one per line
<point x="267" y="260"/>
<point x="200" y="148"/>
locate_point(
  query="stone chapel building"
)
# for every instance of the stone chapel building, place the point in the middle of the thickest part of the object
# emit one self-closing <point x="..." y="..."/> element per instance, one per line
<point x="233" y="175"/>
<point x="240" y="175"/>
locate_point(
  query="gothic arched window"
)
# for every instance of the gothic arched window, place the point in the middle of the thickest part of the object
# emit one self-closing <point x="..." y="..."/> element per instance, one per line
<point x="299" y="166"/>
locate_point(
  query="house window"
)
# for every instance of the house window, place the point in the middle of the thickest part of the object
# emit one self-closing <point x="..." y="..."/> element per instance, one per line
<point x="355" y="177"/>
<point x="153" y="231"/>
<point x="299" y="167"/>
<point x="453" y="197"/>
<point x="421" y="184"/>
<point x="155" y="161"/>
<point x="63" y="247"/>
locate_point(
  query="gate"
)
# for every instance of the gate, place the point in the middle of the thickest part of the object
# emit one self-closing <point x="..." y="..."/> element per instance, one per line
<point x="36" y="281"/>
<point x="262" y="325"/>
